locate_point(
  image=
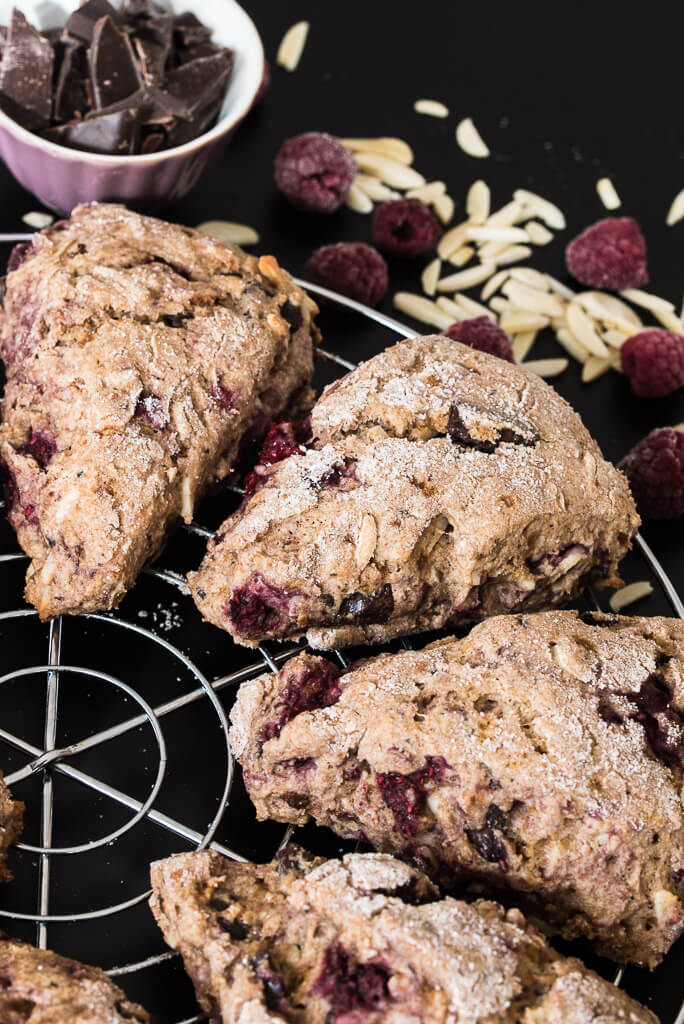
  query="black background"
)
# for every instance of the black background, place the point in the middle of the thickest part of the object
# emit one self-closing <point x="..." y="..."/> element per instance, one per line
<point x="562" y="97"/>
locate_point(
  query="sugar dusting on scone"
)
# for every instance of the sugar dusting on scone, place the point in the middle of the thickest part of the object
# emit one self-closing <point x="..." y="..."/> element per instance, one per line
<point x="143" y="361"/>
<point x="522" y="760"/>
<point x="439" y="485"/>
<point x="365" y="939"/>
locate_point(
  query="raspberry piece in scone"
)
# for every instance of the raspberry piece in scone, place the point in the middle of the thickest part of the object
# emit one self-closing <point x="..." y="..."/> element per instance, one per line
<point x="521" y="760"/>
<point x="364" y="940"/>
<point x="142" y="357"/>
<point x="439" y="485"/>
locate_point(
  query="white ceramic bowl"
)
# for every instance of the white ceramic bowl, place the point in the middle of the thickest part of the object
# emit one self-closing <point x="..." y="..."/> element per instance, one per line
<point x="62" y="177"/>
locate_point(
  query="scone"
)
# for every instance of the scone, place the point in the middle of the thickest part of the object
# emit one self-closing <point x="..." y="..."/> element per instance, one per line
<point x="540" y="758"/>
<point x="11" y="820"/>
<point x="440" y="485"/>
<point x="40" y="987"/>
<point x="364" y="940"/>
<point x="142" y="358"/>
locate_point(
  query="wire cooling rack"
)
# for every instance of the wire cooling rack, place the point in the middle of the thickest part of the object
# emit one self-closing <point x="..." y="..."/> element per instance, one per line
<point x="156" y="774"/>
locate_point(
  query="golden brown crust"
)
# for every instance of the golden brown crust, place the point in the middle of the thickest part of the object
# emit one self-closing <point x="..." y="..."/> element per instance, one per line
<point x="11" y="822"/>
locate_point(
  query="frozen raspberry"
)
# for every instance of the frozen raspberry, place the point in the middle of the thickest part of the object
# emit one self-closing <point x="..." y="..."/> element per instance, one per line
<point x="654" y="362"/>
<point x="406" y="795"/>
<point x="484" y="335"/>
<point x="41" y="447"/>
<point x="352" y="268"/>
<point x="655" y="470"/>
<point x="405" y="227"/>
<point x="609" y="254"/>
<point x="314" y="171"/>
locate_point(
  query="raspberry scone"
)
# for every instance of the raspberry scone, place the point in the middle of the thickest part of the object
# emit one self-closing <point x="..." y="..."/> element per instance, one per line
<point x="364" y="940"/>
<point x="40" y="987"/>
<point x="523" y="760"/>
<point x="439" y="485"/>
<point x="141" y="358"/>
<point x="11" y="821"/>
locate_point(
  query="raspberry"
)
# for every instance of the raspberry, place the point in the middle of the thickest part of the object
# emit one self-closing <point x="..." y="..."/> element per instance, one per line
<point x="484" y="335"/>
<point x="314" y="171"/>
<point x="406" y="794"/>
<point x="405" y="227"/>
<point x="609" y="254"/>
<point x="352" y="268"/>
<point x="655" y="470"/>
<point x="41" y="447"/>
<point x="351" y="989"/>
<point x="654" y="362"/>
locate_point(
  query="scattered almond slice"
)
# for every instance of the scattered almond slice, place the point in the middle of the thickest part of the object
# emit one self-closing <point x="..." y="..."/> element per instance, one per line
<point x="522" y="344"/>
<point x="537" y="206"/>
<point x="582" y="328"/>
<point x="429" y="192"/>
<point x="422" y="309"/>
<point x="430" y="276"/>
<point x="478" y="202"/>
<point x="392" y="148"/>
<point x="358" y="200"/>
<point x="452" y="240"/>
<point x="466" y="278"/>
<point x="546" y="367"/>
<point x="515" y="322"/>
<point x="227" y="231"/>
<point x="648" y="301"/>
<point x="392" y="172"/>
<point x="679" y="426"/>
<point x="444" y="208"/>
<point x="374" y="188"/>
<point x="676" y="211"/>
<point x="292" y="46"/>
<point x="462" y="256"/>
<point x="629" y="594"/>
<point x="571" y="345"/>
<point x="607" y="194"/>
<point x="490" y="250"/>
<point x="613" y="338"/>
<point x="473" y="308"/>
<point x="486" y="233"/>
<point x="450" y="307"/>
<point x="533" y="300"/>
<point x="470" y="140"/>
<point x="534" y="278"/>
<point x="501" y="305"/>
<point x="594" y="367"/>
<point x="506" y="215"/>
<point x="493" y="284"/>
<point x="559" y="288"/>
<point x="433" y="108"/>
<point x="513" y="254"/>
<point x="37" y="219"/>
<point x="669" y="320"/>
<point x="608" y="308"/>
<point x="537" y="233"/>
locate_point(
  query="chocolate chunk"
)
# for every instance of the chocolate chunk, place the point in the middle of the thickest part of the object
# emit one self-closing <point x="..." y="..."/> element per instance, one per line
<point x="189" y="30"/>
<point x="201" y="82"/>
<point x="81" y="24"/>
<point x="115" y="133"/>
<point x="375" y="607"/>
<point x="26" y="73"/>
<point x="114" y="73"/>
<point x="72" y="89"/>
<point x="153" y="40"/>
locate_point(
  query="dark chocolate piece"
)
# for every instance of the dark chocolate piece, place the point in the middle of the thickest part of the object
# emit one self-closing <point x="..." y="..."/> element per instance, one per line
<point x="189" y="30"/>
<point x="115" y="133"/>
<point x="114" y="73"/>
<point x="26" y="71"/>
<point x="81" y="24"/>
<point x="73" y="97"/>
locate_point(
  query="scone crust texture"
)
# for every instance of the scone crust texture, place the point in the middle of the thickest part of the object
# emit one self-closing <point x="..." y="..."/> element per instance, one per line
<point x="441" y="485"/>
<point x="365" y="939"/>
<point x="38" y="986"/>
<point x="142" y="357"/>
<point x="11" y="821"/>
<point x="540" y="758"/>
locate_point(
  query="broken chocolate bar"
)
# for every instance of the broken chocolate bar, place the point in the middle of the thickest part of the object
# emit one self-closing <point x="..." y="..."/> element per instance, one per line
<point x="26" y="72"/>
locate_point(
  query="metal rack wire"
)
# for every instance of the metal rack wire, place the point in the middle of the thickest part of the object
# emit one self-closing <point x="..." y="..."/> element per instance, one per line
<point x="50" y="760"/>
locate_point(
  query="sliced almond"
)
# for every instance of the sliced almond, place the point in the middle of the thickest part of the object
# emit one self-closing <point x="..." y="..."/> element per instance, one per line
<point x="477" y="202"/>
<point x="546" y="367"/>
<point x="366" y="541"/>
<point x="676" y="211"/>
<point x="470" y="140"/>
<point x="537" y="233"/>
<point x="444" y="207"/>
<point x="629" y="594"/>
<point x="669" y="320"/>
<point x="462" y="256"/>
<point x="430" y="276"/>
<point x="582" y="328"/>
<point x="292" y="46"/>
<point x="532" y="300"/>
<point x="506" y="215"/>
<point x="187" y="500"/>
<point x="571" y="345"/>
<point x="596" y="367"/>
<point x="515" y="322"/>
<point x="422" y="309"/>
<point x="452" y="240"/>
<point x="613" y="338"/>
<point x="533" y="278"/>
<point x="227" y="231"/>
<point x="513" y="254"/>
<point x="394" y="149"/>
<point x="429" y="192"/>
<point x="487" y="233"/>
<point x="608" y="308"/>
<point x="466" y="278"/>
<point x="648" y="301"/>
<point x="473" y="308"/>
<point x="393" y="173"/>
<point x="522" y="344"/>
<point x="493" y="284"/>
<point x="667" y="908"/>
<point x="38" y="219"/>
<point x="374" y="188"/>
<point x="358" y="200"/>
<point x="450" y="307"/>
<point x="559" y="288"/>
<point x="540" y="207"/>
<point x="607" y="194"/>
<point x="433" y="108"/>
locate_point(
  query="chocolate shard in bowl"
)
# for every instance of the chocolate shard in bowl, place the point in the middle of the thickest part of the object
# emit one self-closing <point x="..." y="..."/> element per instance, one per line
<point x="114" y="73"/>
<point x="115" y="132"/>
<point x="152" y="42"/>
<point x="81" y="24"/>
<point x="26" y="73"/>
<point x="189" y="30"/>
<point x="73" y="96"/>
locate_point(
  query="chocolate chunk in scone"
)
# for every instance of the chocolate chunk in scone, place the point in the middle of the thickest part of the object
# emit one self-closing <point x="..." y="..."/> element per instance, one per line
<point x="365" y="939"/>
<point x="522" y="760"/>
<point x="435" y="485"/>
<point x="141" y="358"/>
<point x="39" y="987"/>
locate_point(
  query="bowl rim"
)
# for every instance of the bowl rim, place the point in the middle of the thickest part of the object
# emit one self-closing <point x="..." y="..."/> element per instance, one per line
<point x="224" y="125"/>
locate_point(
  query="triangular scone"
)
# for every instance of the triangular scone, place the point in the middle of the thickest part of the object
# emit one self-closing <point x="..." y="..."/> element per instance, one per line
<point x="140" y="357"/>
<point x="441" y="485"/>
<point x="364" y="940"/>
<point x="38" y="986"/>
